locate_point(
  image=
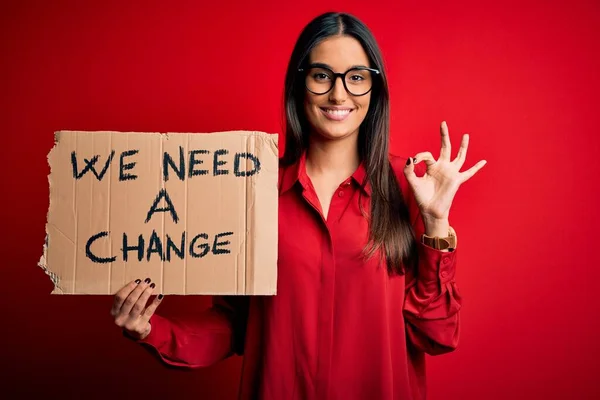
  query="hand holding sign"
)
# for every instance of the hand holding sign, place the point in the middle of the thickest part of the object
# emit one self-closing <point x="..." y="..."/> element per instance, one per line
<point x="129" y="309"/>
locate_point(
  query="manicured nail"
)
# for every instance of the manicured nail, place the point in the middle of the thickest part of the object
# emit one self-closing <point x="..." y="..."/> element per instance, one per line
<point x="138" y="281"/>
<point x="160" y="296"/>
<point x="147" y="280"/>
<point x="153" y="285"/>
<point x="415" y="160"/>
<point x="408" y="161"/>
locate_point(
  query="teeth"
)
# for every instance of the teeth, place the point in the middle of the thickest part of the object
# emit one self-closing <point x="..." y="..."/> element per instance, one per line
<point x="338" y="112"/>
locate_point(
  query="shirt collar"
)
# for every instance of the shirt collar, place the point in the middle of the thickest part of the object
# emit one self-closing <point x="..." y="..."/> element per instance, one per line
<point x="296" y="172"/>
<point x="359" y="176"/>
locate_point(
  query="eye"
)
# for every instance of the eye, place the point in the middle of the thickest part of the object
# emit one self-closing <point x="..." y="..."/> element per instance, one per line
<point x="320" y="76"/>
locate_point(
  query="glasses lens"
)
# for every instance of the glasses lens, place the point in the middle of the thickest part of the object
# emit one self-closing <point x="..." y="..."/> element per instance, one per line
<point x="318" y="80"/>
<point x="359" y="81"/>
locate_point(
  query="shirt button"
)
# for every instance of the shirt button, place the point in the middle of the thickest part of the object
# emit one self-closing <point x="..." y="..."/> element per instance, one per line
<point x="341" y="193"/>
<point x="444" y="274"/>
<point x="446" y="260"/>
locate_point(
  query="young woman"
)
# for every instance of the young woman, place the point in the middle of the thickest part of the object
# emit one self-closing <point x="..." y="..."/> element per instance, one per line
<point x="367" y="258"/>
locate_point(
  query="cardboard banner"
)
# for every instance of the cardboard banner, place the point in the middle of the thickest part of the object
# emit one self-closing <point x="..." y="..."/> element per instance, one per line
<point x="196" y="213"/>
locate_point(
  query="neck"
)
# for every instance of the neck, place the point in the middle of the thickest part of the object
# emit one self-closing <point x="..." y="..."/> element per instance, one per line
<point x="338" y="158"/>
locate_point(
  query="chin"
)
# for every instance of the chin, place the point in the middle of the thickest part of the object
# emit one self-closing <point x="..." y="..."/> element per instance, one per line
<point x="333" y="133"/>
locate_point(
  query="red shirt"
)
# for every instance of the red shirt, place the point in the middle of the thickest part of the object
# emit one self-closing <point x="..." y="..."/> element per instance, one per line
<point x="339" y="327"/>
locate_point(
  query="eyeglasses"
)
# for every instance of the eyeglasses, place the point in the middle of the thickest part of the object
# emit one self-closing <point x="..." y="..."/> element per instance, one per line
<point x="357" y="81"/>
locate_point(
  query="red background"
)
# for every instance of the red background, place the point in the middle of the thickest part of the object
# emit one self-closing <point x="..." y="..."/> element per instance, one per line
<point x="520" y="77"/>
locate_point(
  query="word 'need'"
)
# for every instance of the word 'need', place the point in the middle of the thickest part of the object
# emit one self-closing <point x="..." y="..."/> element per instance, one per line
<point x="244" y="164"/>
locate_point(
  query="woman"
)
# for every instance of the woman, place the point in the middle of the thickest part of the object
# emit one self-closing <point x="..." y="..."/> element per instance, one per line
<point x="363" y="291"/>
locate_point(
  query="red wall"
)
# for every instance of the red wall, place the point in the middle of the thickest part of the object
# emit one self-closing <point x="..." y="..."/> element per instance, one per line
<point x="521" y="79"/>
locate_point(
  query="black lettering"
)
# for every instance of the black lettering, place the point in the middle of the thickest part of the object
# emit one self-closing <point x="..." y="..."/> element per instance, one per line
<point x="170" y="207"/>
<point x="92" y="256"/>
<point x="236" y="165"/>
<point x="217" y="163"/>
<point x="179" y="251"/>
<point x="155" y="246"/>
<point x="124" y="167"/>
<point x="204" y="246"/>
<point x="167" y="160"/>
<point x="194" y="162"/>
<point x="126" y="249"/>
<point x="216" y="243"/>
<point x="89" y="166"/>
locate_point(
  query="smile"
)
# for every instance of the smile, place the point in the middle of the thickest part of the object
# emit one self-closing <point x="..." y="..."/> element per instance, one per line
<point x="336" y="114"/>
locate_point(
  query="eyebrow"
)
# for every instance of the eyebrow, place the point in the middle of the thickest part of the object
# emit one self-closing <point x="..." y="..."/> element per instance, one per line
<point x="323" y="65"/>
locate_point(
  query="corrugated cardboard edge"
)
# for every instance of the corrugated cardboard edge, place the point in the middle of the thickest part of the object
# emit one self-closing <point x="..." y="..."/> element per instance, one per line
<point x="42" y="263"/>
<point x="252" y="213"/>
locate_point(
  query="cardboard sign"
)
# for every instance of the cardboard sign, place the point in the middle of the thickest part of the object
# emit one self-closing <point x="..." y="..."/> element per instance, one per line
<point x="196" y="213"/>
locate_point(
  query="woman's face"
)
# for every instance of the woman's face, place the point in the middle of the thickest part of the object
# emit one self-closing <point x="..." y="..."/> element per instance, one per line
<point x="340" y="53"/>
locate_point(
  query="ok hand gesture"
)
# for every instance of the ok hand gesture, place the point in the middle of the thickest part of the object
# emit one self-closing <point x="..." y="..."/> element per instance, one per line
<point x="435" y="190"/>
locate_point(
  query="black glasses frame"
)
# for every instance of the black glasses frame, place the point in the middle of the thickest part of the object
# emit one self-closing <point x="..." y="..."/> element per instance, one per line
<point x="341" y="75"/>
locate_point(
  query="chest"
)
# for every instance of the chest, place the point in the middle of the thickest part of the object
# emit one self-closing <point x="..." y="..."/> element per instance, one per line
<point x="308" y="242"/>
<point x="324" y="191"/>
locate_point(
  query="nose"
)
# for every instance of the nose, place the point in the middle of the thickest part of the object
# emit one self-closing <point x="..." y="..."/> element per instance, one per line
<point x="338" y="93"/>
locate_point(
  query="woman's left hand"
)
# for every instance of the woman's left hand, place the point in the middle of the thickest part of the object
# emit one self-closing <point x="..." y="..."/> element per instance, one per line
<point x="435" y="190"/>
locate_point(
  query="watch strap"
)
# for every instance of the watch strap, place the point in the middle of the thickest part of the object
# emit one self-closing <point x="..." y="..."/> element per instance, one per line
<point x="440" y="243"/>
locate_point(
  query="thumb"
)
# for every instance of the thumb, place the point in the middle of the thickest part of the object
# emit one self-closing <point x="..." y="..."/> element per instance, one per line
<point x="409" y="171"/>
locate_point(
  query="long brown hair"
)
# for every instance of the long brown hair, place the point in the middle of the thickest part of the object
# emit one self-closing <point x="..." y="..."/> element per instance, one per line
<point x="390" y="230"/>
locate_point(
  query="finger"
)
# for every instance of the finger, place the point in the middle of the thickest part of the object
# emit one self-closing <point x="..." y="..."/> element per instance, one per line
<point x="462" y="151"/>
<point x="471" y="171"/>
<point x="446" y="150"/>
<point x="424" y="156"/>
<point x="140" y="304"/>
<point x="133" y="297"/>
<point x="122" y="295"/>
<point x="409" y="171"/>
<point x="149" y="312"/>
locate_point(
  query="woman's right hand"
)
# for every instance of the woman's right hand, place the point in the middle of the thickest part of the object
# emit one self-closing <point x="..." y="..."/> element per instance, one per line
<point x="129" y="308"/>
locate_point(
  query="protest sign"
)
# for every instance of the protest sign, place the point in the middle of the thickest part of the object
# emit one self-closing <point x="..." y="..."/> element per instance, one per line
<point x="196" y="213"/>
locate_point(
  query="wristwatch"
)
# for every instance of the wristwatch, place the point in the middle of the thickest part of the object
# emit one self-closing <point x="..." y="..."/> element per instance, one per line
<point x="441" y="243"/>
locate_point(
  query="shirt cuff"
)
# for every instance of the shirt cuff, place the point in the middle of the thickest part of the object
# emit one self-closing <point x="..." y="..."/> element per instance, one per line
<point x="159" y="332"/>
<point x="436" y="265"/>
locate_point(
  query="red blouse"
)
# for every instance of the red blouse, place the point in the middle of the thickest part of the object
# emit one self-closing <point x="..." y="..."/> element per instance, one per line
<point x="339" y="327"/>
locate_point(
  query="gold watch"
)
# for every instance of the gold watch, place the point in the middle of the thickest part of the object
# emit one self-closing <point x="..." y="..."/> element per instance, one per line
<point x="441" y="243"/>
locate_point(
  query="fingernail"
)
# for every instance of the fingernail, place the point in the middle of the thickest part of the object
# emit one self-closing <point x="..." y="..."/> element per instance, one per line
<point x="153" y="285"/>
<point x="415" y="160"/>
<point x="160" y="296"/>
<point x="408" y="161"/>
<point x="138" y="281"/>
<point x="147" y="280"/>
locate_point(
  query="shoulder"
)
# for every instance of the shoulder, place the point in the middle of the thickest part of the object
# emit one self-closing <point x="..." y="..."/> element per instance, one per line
<point x="286" y="172"/>
<point x="283" y="167"/>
